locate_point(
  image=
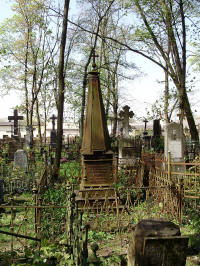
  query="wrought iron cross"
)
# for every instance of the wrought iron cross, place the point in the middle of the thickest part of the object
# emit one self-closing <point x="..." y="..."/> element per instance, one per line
<point x="93" y="58"/>
<point x="53" y="118"/>
<point x="15" y="117"/>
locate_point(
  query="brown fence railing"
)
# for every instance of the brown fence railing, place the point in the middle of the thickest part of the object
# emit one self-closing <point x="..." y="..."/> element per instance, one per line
<point x="181" y="181"/>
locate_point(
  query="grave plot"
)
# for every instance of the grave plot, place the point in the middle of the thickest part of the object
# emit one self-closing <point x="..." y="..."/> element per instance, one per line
<point x="47" y="216"/>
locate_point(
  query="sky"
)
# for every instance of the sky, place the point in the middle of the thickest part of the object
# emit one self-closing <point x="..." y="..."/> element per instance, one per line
<point x="139" y="94"/>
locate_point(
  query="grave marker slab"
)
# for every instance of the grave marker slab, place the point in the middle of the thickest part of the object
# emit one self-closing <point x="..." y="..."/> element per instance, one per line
<point x="157" y="242"/>
<point x="13" y="146"/>
<point x="21" y="159"/>
<point x="174" y="142"/>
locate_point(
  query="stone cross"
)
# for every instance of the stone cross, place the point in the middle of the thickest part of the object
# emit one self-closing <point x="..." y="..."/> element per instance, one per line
<point x="53" y="118"/>
<point x="93" y="55"/>
<point x="15" y="117"/>
<point x="125" y="115"/>
<point x="145" y="126"/>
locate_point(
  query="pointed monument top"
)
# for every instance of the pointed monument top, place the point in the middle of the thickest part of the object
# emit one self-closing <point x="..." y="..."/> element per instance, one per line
<point x="95" y="133"/>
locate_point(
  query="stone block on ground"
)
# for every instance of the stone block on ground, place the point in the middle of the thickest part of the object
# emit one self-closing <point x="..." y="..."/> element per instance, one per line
<point x="157" y="243"/>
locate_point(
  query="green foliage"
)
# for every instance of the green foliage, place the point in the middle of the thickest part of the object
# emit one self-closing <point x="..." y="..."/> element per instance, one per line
<point x="94" y="236"/>
<point x="49" y="254"/>
<point x="71" y="171"/>
<point x="195" y="226"/>
<point x="113" y="260"/>
<point x="53" y="219"/>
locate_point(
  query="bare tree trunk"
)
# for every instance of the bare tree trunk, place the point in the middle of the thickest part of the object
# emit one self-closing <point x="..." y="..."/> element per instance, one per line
<point x="166" y="105"/>
<point x="45" y="124"/>
<point x="61" y="94"/>
<point x="25" y="78"/>
<point x="38" y="122"/>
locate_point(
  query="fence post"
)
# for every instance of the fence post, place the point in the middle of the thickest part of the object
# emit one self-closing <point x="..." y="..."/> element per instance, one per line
<point x="116" y="162"/>
<point x="169" y="165"/>
<point x="39" y="217"/>
<point x="35" y="192"/>
<point x="180" y="196"/>
<point x="12" y="225"/>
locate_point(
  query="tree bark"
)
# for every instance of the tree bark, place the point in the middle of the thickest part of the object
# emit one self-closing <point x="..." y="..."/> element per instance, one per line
<point x="177" y="68"/>
<point x="25" y="77"/>
<point x="61" y="94"/>
<point x="38" y="122"/>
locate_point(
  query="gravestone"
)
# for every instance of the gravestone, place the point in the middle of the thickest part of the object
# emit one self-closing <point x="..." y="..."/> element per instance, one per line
<point x="53" y="135"/>
<point x="97" y="157"/>
<point x="126" y="151"/>
<point x="125" y="114"/>
<point x="15" y="117"/>
<point x="145" y="132"/>
<point x="146" y="137"/>
<point x="21" y="159"/>
<point x="157" y="142"/>
<point x="174" y="142"/>
<point x="13" y="146"/>
<point x="157" y="243"/>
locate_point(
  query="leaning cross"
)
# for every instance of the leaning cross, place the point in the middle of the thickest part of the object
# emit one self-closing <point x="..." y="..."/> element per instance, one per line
<point x="15" y="117"/>
<point x="126" y="114"/>
<point x="53" y="118"/>
<point x="93" y="55"/>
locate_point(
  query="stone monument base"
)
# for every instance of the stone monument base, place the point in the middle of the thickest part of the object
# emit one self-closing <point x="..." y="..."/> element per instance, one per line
<point x="96" y="197"/>
<point x="157" y="243"/>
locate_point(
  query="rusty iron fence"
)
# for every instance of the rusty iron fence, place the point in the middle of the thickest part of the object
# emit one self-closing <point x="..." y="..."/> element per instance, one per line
<point x="180" y="180"/>
<point x="171" y="188"/>
<point x="36" y="219"/>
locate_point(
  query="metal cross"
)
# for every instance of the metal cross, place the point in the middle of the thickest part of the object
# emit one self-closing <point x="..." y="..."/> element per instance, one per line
<point x="53" y="118"/>
<point x="93" y="55"/>
<point x="15" y="117"/>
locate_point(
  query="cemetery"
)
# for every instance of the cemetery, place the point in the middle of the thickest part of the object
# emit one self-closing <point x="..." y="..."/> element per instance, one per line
<point x="97" y="185"/>
<point x="113" y="205"/>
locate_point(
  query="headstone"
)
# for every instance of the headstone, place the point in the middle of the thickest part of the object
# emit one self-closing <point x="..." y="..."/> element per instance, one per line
<point x="15" y="117"/>
<point x="21" y="159"/>
<point x="53" y="138"/>
<point x="13" y="146"/>
<point x="126" y="149"/>
<point x="157" y="142"/>
<point x="174" y="142"/>
<point x="53" y="135"/>
<point x="97" y="157"/>
<point x="125" y="114"/>
<point x="145" y="132"/>
<point x="53" y="118"/>
<point x="157" y="243"/>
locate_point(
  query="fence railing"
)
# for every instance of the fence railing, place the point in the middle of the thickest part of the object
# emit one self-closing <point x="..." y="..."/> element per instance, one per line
<point x="36" y="220"/>
<point x="180" y="179"/>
